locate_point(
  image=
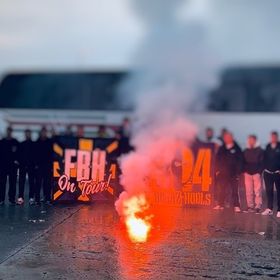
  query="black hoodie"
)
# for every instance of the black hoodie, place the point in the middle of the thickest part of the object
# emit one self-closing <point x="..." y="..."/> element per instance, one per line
<point x="253" y="160"/>
<point x="229" y="161"/>
<point x="26" y="153"/>
<point x="44" y="152"/>
<point x="8" y="152"/>
<point x="272" y="158"/>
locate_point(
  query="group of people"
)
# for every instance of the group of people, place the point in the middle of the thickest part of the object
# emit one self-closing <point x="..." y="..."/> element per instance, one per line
<point x="28" y="158"/>
<point x="256" y="164"/>
<point x="33" y="160"/>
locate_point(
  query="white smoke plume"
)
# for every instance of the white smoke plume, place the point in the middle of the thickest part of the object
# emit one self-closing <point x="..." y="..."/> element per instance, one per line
<point x="174" y="66"/>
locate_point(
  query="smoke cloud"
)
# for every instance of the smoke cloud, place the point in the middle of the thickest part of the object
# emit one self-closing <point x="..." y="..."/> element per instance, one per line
<point x="173" y="68"/>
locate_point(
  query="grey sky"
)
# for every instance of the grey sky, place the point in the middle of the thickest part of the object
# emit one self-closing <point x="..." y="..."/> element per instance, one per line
<point x="69" y="34"/>
<point x="87" y="34"/>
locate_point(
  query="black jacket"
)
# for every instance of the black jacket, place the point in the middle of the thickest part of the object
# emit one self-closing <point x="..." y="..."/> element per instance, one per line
<point x="253" y="160"/>
<point x="272" y="158"/>
<point x="8" y="152"/>
<point x="229" y="161"/>
<point x="26" y="153"/>
<point x="44" y="152"/>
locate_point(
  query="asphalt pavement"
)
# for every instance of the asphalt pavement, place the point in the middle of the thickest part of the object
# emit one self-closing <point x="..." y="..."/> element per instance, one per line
<point x="90" y="242"/>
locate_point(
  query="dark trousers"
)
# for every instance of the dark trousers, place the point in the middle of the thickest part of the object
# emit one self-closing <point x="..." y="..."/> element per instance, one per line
<point x="6" y="172"/>
<point x="271" y="180"/>
<point x="228" y="187"/>
<point x="23" y="172"/>
<point x="43" y="179"/>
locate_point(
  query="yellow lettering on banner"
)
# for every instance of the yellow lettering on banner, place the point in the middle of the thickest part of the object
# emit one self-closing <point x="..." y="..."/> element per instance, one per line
<point x="112" y="147"/>
<point x="56" y="169"/>
<point x="206" y="177"/>
<point x="57" y="195"/>
<point x="83" y="198"/>
<point x="201" y="173"/>
<point x="85" y="144"/>
<point x="187" y="165"/>
<point x="110" y="190"/>
<point x="196" y="172"/>
<point x="113" y="169"/>
<point x="179" y="198"/>
<point x="73" y="172"/>
<point x="57" y="149"/>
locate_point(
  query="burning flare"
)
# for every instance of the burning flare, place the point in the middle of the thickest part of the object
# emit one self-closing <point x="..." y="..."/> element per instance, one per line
<point x="137" y="224"/>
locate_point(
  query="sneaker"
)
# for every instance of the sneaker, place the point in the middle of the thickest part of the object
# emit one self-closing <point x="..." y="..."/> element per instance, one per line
<point x="20" y="201"/>
<point x="218" y="207"/>
<point x="227" y="205"/>
<point x="31" y="201"/>
<point x="267" y="212"/>
<point x="237" y="209"/>
<point x="278" y="214"/>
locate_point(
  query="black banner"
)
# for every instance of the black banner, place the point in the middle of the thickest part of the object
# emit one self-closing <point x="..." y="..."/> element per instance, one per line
<point x="86" y="169"/>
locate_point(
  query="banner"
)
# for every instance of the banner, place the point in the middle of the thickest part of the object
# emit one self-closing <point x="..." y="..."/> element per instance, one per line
<point x="86" y="169"/>
<point x="194" y="176"/>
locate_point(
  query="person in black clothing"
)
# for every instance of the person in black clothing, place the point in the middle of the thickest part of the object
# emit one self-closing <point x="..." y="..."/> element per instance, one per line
<point x="43" y="160"/>
<point x="26" y="167"/>
<point x="272" y="173"/>
<point x="253" y="168"/>
<point x="229" y="160"/>
<point x="8" y="166"/>
<point x="123" y="135"/>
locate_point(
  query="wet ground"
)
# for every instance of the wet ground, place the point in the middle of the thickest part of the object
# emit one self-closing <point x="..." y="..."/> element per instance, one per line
<point x="88" y="242"/>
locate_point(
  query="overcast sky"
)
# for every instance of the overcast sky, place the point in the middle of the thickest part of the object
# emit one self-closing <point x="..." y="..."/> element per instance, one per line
<point x="88" y="34"/>
<point x="70" y="34"/>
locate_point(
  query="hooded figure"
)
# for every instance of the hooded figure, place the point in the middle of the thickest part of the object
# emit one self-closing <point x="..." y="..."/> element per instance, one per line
<point x="229" y="160"/>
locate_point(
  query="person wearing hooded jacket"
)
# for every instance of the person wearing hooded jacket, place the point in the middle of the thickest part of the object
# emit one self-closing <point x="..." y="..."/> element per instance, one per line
<point x="43" y="161"/>
<point x="253" y="168"/>
<point x="229" y="160"/>
<point x="8" y="166"/>
<point x="26" y="156"/>
<point x="272" y="173"/>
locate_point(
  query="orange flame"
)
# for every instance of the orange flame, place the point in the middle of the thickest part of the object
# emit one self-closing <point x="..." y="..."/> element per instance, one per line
<point x="138" y="228"/>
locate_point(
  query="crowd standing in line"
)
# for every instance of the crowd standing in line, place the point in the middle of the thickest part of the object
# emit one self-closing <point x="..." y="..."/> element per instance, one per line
<point x="33" y="160"/>
<point x="254" y="163"/>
